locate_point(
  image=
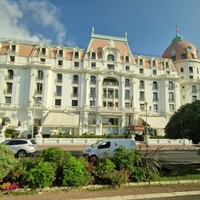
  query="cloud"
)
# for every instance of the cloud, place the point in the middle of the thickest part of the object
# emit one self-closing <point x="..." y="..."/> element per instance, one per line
<point x="31" y="20"/>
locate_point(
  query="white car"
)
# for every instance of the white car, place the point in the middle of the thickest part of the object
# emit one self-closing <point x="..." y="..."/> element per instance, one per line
<point x="106" y="148"/>
<point x="22" y="147"/>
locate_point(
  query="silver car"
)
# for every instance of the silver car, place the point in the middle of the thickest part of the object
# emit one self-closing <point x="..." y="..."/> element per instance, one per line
<point x="22" y="147"/>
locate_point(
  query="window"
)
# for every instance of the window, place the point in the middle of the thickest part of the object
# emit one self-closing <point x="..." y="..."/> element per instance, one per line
<point x="12" y="58"/>
<point x="92" y="92"/>
<point x="7" y="100"/>
<point x="183" y="56"/>
<point x="141" y="84"/>
<point x="57" y="102"/>
<point x="13" y="48"/>
<point x="173" y="58"/>
<point x="93" y="64"/>
<point x="127" y="94"/>
<point x="75" y="91"/>
<point x="76" y="79"/>
<point x="153" y="63"/>
<point x="167" y="72"/>
<point x="110" y="57"/>
<point x="142" y="96"/>
<point x="104" y="145"/>
<point x="194" y="89"/>
<point x="126" y="58"/>
<point x="171" y="85"/>
<point x="76" y="64"/>
<point x="155" y="85"/>
<point x="167" y="64"/>
<point x="39" y="88"/>
<point x="76" y="54"/>
<point x="42" y="60"/>
<point x="182" y="70"/>
<point x="171" y="107"/>
<point x="93" y="79"/>
<point x="43" y="51"/>
<point x="93" y="55"/>
<point x="190" y="77"/>
<point x="171" y="96"/>
<point x="141" y="71"/>
<point x="140" y="61"/>
<point x="155" y="96"/>
<point x="154" y="72"/>
<point x="40" y="74"/>
<point x="58" y="90"/>
<point x="127" y="82"/>
<point x="127" y="68"/>
<point x="127" y="105"/>
<point x="194" y="98"/>
<point x="60" y="53"/>
<point x="190" y="69"/>
<point x="111" y="67"/>
<point x="10" y="74"/>
<point x="59" y="77"/>
<point x="74" y="102"/>
<point x="60" y="62"/>
<point x="155" y="107"/>
<point x="9" y="87"/>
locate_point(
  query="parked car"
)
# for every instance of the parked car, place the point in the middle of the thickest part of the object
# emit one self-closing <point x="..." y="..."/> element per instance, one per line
<point x="22" y="147"/>
<point x="106" y="148"/>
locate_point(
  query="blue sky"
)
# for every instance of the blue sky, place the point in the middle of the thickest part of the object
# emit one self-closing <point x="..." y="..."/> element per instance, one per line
<point x="150" y="24"/>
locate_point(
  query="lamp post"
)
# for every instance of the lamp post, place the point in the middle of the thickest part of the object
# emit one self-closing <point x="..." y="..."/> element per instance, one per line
<point x="33" y="118"/>
<point x="146" y="139"/>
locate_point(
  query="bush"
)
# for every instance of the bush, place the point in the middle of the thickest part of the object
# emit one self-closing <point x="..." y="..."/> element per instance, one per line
<point x="42" y="175"/>
<point x="75" y="172"/>
<point x="17" y="173"/>
<point x="141" y="167"/>
<point x="103" y="170"/>
<point x="57" y="157"/>
<point x="7" y="161"/>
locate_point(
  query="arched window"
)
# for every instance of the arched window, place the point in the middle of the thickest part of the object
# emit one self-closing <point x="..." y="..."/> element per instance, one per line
<point x="171" y="85"/>
<point x="110" y="57"/>
<point x="155" y="85"/>
<point x="40" y="74"/>
<point x="75" y="79"/>
<point x="10" y="74"/>
<point x="194" y="89"/>
<point x="93" y="79"/>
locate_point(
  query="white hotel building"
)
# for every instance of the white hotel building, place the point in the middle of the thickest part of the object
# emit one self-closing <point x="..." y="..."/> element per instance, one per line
<point x="98" y="90"/>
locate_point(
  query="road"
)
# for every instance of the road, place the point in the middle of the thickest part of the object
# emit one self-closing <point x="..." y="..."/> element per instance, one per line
<point x="168" y="156"/>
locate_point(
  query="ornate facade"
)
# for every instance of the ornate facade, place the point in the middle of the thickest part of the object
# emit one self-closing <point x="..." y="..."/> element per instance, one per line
<point x="98" y="90"/>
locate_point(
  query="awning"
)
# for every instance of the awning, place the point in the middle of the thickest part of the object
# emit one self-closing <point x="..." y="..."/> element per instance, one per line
<point x="61" y="120"/>
<point x="156" y="122"/>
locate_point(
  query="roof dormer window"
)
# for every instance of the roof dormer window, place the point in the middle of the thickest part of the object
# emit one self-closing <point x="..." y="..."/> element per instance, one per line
<point x="60" y="53"/>
<point x="127" y="59"/>
<point x="154" y="63"/>
<point x="93" y="55"/>
<point x="76" y="54"/>
<point x="43" y="51"/>
<point x="110" y="57"/>
<point x="13" y="48"/>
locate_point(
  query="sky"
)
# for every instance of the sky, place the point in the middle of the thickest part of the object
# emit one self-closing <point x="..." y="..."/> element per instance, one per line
<point x="150" y="24"/>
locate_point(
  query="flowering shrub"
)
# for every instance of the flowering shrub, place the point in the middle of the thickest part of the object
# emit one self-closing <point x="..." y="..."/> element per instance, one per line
<point x="9" y="186"/>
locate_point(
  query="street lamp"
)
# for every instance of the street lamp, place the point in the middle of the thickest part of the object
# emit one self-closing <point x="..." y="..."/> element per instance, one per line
<point x="33" y="117"/>
<point x="146" y="139"/>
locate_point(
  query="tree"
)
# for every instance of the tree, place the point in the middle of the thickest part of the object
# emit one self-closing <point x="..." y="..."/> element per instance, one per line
<point x="185" y="123"/>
